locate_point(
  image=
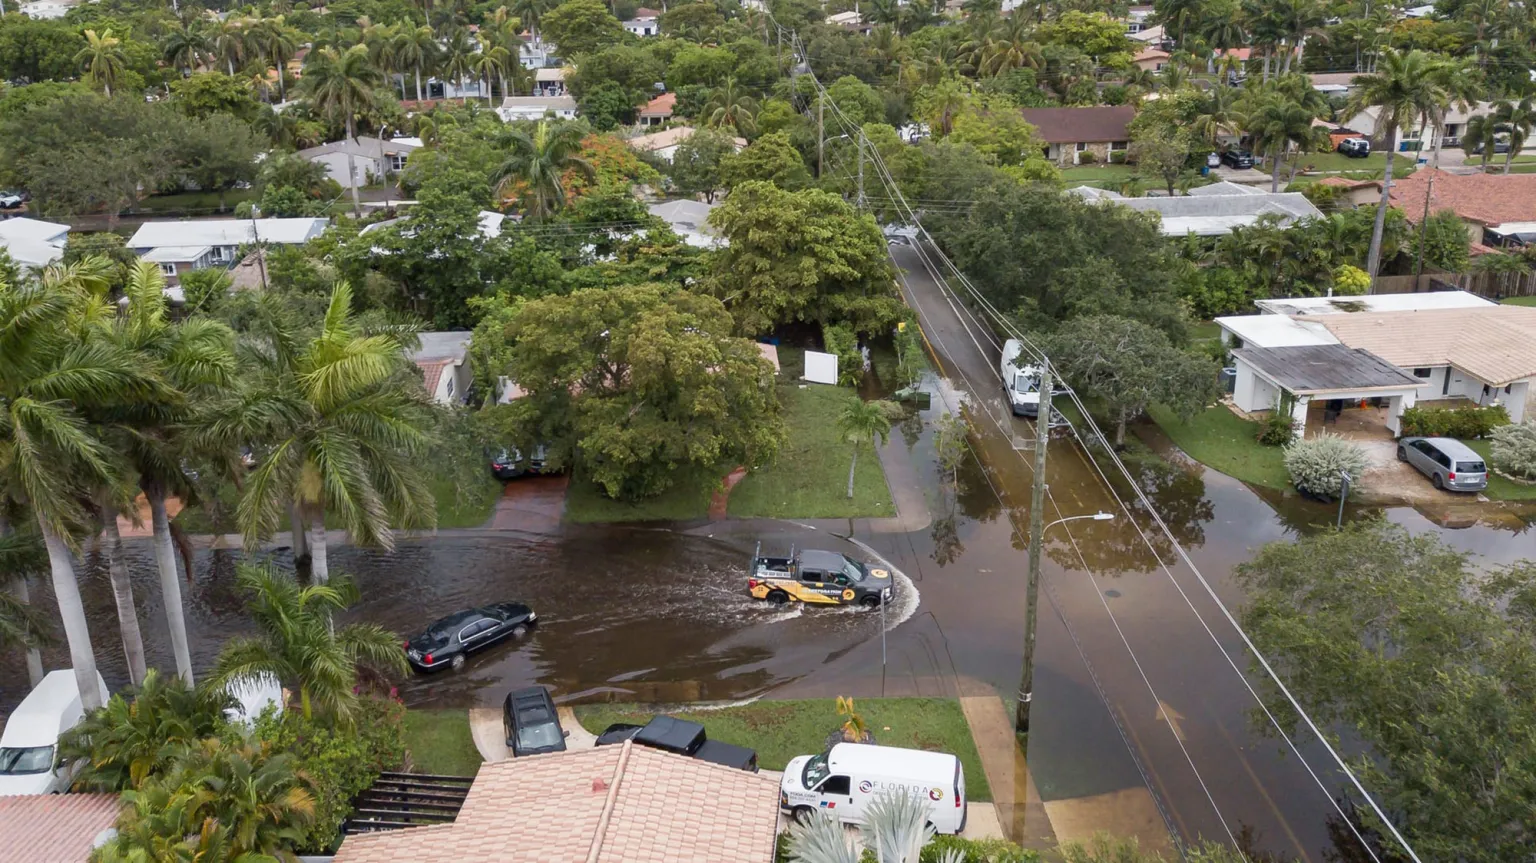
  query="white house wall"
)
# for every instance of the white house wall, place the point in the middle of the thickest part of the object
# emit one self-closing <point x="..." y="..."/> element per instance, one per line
<point x="1251" y="392"/>
<point x="336" y="168"/>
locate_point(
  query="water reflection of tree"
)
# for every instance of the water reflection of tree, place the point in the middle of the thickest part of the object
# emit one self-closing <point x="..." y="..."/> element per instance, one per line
<point x="946" y="540"/>
<point x="952" y="451"/>
<point x="1114" y="547"/>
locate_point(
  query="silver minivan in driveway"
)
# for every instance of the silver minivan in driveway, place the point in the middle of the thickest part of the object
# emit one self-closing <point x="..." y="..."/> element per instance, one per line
<point x="1449" y="463"/>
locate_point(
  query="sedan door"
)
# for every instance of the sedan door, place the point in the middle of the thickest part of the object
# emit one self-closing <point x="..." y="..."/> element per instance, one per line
<point x="476" y="635"/>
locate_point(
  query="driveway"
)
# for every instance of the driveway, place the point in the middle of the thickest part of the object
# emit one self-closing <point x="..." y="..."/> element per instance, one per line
<point x="532" y="503"/>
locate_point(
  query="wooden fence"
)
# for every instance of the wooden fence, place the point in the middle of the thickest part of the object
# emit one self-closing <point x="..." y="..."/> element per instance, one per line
<point x="1494" y="286"/>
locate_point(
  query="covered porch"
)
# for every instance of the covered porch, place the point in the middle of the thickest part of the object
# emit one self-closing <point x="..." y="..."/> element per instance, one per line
<point x="1325" y="388"/>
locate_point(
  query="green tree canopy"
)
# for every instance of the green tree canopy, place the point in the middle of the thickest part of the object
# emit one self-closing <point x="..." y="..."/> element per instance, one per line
<point x="636" y="385"/>
<point x="802" y="256"/>
<point x="772" y="159"/>
<point x="208" y="93"/>
<point x="581" y="27"/>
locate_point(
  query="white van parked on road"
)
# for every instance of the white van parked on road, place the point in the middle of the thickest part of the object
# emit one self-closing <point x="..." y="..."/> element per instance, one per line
<point x="32" y="734"/>
<point x="844" y="780"/>
<point x="1020" y="380"/>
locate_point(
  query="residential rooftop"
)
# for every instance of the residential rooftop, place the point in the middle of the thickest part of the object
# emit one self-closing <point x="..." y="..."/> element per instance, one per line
<point x="1071" y="125"/>
<point x="1372" y="303"/>
<point x="226" y="232"/>
<point x="55" y="828"/>
<point x="1488" y="199"/>
<point x="1309" y="370"/>
<point x="1212" y="210"/>
<point x="1495" y="344"/>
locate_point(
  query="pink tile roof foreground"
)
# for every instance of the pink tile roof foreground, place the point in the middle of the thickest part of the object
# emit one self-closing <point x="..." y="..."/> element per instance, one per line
<point x="625" y="804"/>
<point x="54" y="828"/>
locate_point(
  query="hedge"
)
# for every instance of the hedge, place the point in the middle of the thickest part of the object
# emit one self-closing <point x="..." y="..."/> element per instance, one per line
<point x="1460" y="423"/>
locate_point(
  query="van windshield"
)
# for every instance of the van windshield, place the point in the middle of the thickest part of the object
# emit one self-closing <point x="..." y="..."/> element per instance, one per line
<point x="815" y="771"/>
<point x="1025" y="384"/>
<point x="25" y="759"/>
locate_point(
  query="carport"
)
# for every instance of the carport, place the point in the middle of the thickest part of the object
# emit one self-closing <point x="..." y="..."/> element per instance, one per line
<point x="1338" y="376"/>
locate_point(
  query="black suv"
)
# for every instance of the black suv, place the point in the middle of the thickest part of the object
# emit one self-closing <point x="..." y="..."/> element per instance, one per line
<point x="1237" y="158"/>
<point x="448" y="641"/>
<point x="511" y="463"/>
<point x="681" y="737"/>
<point x="530" y="722"/>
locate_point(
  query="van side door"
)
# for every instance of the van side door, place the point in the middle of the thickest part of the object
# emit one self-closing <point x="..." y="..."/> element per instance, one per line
<point x="836" y="795"/>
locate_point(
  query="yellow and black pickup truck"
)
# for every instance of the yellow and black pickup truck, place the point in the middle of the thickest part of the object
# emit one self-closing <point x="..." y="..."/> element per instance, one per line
<point x="819" y="578"/>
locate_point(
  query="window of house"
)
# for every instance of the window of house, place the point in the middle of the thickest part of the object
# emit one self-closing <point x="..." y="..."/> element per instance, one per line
<point x="1120" y="145"/>
<point x="1421" y="373"/>
<point x="1082" y="146"/>
<point x="168" y="269"/>
<point x="450" y="386"/>
<point x="397" y="162"/>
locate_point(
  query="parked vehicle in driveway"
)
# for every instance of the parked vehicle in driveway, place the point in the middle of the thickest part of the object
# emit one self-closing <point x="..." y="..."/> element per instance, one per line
<point x="1237" y="158"/>
<point x="845" y="779"/>
<point x="32" y="732"/>
<point x="530" y="722"/>
<point x="1449" y="463"/>
<point x="511" y="463"/>
<point x="450" y="640"/>
<point x="1355" y="148"/>
<point x="682" y="737"/>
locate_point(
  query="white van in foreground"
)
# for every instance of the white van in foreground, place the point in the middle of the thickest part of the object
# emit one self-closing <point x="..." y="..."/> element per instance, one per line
<point x="1020" y="380"/>
<point x="32" y="734"/>
<point x="844" y="780"/>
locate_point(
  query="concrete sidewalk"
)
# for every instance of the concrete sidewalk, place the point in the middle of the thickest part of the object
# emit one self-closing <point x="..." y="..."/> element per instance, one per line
<point x="1015" y="799"/>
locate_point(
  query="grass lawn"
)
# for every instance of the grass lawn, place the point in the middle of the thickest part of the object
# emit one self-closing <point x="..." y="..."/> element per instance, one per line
<point x="781" y="730"/>
<point x="1220" y="439"/>
<point x="687" y="500"/>
<point x="1102" y="176"/>
<point x="1374" y="164"/>
<point x="465" y="502"/>
<point x="439" y="742"/>
<point x="1205" y="331"/>
<point x="1500" y="488"/>
<point x="1519" y="301"/>
<point x="194" y="203"/>
<point x="810" y="477"/>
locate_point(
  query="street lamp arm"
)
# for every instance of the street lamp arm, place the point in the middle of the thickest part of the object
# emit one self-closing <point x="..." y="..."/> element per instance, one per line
<point x="1096" y="516"/>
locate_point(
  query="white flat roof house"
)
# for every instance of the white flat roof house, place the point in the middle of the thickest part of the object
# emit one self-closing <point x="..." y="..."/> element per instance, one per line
<point x="690" y="219"/>
<point x="33" y="242"/>
<point x="645" y="23"/>
<point x="1397" y="348"/>
<point x="180" y="247"/>
<point x="536" y="108"/>
<point x="1210" y="211"/>
<point x="371" y="158"/>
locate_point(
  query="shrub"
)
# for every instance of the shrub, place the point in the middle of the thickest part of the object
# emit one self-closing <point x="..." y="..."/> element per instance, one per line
<point x="842" y="341"/>
<point x="1460" y="423"/>
<point x="1514" y="449"/>
<point x="1315" y="464"/>
<point x="976" y="851"/>
<point x="1351" y="280"/>
<point x="1117" y="157"/>
<point x="1277" y="429"/>
<point x="340" y="761"/>
<point x="1087" y="157"/>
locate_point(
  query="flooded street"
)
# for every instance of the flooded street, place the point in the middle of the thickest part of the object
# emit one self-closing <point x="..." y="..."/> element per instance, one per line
<point x="644" y="614"/>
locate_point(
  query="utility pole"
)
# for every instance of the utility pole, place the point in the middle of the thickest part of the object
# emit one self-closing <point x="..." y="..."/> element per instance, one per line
<point x="1418" y="267"/>
<point x="1036" y="540"/>
<point x="860" y="142"/>
<point x="821" y="130"/>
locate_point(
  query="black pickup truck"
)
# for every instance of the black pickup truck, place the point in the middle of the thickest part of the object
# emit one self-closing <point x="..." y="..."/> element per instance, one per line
<point x="683" y="738"/>
<point x="818" y="578"/>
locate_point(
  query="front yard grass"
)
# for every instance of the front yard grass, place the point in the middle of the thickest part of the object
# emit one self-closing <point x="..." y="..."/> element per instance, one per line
<point x="1222" y="440"/>
<point x="810" y="477"/>
<point x="1500" y="488"/>
<point x="688" y="500"/>
<point x="465" y="502"/>
<point x="439" y="742"/>
<point x="1519" y="301"/>
<point x="781" y="730"/>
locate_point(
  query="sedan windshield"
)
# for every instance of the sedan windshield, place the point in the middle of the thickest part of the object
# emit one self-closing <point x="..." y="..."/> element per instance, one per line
<point x="538" y="736"/>
<point x="26" y="759"/>
<point x="815" y="771"/>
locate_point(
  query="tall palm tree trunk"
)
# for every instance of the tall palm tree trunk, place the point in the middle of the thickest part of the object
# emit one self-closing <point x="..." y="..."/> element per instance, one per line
<point x="418" y="82"/>
<point x="72" y="611"/>
<point x="1373" y="261"/>
<point x="319" y="566"/>
<point x="122" y="592"/>
<point x="170" y="582"/>
<point x="282" y="86"/>
<point x="1274" y="171"/>
<point x="20" y="590"/>
<point x="487" y="89"/>
<point x="1509" y="154"/>
<point x="357" y="204"/>
<point x="851" y="466"/>
<point x="402" y="88"/>
<point x="300" y="534"/>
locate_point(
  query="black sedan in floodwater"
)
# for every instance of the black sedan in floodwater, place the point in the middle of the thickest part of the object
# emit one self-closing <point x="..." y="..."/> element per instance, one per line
<point x="449" y="640"/>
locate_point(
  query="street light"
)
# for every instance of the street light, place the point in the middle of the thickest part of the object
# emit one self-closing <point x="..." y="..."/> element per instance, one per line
<point x="1032" y="597"/>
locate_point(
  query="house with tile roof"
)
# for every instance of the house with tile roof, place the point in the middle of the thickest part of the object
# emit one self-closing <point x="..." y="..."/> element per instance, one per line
<point x="602" y="805"/>
<point x="56" y="828"/>
<point x="1402" y="349"/>
<point x="443" y="358"/>
<point x="658" y="110"/>
<point x="1070" y="132"/>
<point x="1498" y="209"/>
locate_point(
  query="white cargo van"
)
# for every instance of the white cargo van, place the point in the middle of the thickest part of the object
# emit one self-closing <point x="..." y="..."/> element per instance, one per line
<point x="845" y="779"/>
<point x="32" y="734"/>
<point x="1020" y="380"/>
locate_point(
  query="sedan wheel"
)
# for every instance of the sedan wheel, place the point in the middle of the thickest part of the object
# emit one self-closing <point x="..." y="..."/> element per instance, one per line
<point x="1402" y="454"/>
<point x="519" y="630"/>
<point x="457" y="662"/>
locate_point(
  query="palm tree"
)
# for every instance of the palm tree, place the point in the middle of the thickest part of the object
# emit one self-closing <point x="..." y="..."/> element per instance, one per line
<point x="1406" y="90"/>
<point x="55" y="368"/>
<point x="20" y="625"/>
<point x="103" y="59"/>
<point x="196" y="356"/>
<point x="416" y="49"/>
<point x="257" y="794"/>
<point x="277" y="43"/>
<point x="1276" y="124"/>
<point x="1480" y="137"/>
<point x="227" y="37"/>
<point x="186" y="47"/>
<point x="342" y="85"/>
<point x="491" y="64"/>
<point x="138" y="735"/>
<point x="1463" y="83"/>
<point x="1515" y="119"/>
<point x="729" y="105"/>
<point x="531" y="12"/>
<point x="297" y="643"/>
<point x="859" y="422"/>
<point x="539" y="163"/>
<point x="1219" y="116"/>
<point x="109" y="502"/>
<point x="341" y="423"/>
<point x="457" y="57"/>
<point x="160" y="822"/>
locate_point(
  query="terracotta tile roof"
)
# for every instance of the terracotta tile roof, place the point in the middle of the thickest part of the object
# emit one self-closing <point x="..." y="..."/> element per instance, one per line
<point x="1489" y="199"/>
<point x="661" y="106"/>
<point x="54" y="828"/>
<point x="613" y="803"/>
<point x="432" y="373"/>
<point x="1495" y="344"/>
<point x="1347" y="183"/>
<point x="1152" y="54"/>
<point x="1071" y="125"/>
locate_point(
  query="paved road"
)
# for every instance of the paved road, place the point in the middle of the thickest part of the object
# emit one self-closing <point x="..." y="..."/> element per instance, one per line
<point x="1173" y="712"/>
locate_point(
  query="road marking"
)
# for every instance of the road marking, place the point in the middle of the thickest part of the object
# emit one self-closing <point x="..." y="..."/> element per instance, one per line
<point x="1172" y="717"/>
